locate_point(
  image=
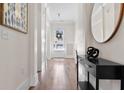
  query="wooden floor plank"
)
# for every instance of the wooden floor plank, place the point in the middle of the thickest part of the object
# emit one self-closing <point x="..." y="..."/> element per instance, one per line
<point x="60" y="75"/>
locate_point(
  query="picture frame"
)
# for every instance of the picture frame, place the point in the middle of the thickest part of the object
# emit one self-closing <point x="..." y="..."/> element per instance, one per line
<point x="14" y="16"/>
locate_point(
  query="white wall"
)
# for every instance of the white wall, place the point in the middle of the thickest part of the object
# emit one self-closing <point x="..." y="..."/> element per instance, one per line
<point x="69" y="32"/>
<point x="14" y="58"/>
<point x="39" y="37"/>
<point x="112" y="50"/>
<point x="47" y="32"/>
<point x="34" y="28"/>
<point x="80" y="29"/>
<point x="48" y="37"/>
<point x="18" y="62"/>
<point x="44" y="38"/>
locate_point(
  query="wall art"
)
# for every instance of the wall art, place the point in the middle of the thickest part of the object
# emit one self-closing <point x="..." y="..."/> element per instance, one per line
<point x="14" y="16"/>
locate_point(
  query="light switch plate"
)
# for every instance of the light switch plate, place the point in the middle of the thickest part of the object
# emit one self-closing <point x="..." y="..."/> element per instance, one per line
<point x="0" y="34"/>
<point x="4" y="35"/>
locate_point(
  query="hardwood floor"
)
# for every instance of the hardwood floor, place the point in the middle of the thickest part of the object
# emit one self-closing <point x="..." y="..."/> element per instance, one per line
<point x="60" y="75"/>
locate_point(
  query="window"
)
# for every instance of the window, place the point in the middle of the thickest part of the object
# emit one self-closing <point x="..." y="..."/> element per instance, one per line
<point x="59" y="39"/>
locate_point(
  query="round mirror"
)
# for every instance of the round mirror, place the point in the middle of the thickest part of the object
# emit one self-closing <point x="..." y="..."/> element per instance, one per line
<point x="105" y="20"/>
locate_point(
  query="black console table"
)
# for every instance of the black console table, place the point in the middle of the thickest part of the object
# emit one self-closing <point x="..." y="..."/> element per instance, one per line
<point x="101" y="69"/>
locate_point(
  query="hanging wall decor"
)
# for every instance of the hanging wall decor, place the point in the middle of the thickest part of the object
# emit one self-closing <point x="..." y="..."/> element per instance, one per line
<point x="14" y="16"/>
<point x="59" y="39"/>
<point x="106" y="19"/>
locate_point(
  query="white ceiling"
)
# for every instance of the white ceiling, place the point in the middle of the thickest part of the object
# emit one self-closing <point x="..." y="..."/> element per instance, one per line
<point x="67" y="11"/>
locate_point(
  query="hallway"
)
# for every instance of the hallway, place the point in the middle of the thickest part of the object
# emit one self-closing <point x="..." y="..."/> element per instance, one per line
<point x="60" y="75"/>
<point x="61" y="46"/>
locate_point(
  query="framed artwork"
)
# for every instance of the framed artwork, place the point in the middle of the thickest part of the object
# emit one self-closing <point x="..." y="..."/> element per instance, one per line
<point x="59" y="39"/>
<point x="14" y="16"/>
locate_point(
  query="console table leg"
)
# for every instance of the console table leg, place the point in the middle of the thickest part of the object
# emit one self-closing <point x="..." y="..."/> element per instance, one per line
<point x="122" y="84"/>
<point x="97" y="84"/>
<point x="88" y="77"/>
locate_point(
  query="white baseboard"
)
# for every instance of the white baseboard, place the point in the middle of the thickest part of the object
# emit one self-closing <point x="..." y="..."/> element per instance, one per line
<point x="24" y="85"/>
<point x="34" y="80"/>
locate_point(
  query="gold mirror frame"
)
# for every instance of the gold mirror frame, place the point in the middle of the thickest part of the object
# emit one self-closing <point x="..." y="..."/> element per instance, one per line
<point x="117" y="25"/>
